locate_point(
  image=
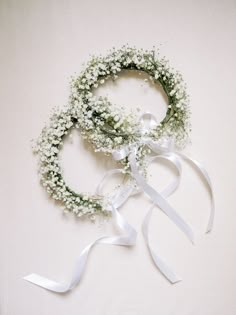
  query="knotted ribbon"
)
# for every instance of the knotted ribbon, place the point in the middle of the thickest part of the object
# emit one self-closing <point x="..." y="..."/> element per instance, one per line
<point x="163" y="150"/>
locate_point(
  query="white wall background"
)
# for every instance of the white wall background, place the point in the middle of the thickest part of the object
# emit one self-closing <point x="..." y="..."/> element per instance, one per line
<point x="42" y="44"/>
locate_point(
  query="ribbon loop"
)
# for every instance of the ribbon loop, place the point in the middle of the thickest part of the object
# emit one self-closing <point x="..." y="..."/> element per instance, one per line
<point x="147" y="122"/>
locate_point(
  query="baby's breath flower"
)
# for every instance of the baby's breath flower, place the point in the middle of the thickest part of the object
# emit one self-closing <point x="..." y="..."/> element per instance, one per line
<point x="106" y="126"/>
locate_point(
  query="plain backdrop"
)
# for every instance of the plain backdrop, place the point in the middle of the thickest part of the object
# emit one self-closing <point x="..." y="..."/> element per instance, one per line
<point x="42" y="44"/>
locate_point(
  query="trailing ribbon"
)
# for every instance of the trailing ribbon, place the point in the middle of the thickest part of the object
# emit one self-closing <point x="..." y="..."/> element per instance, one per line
<point x="127" y="238"/>
<point x="159" y="199"/>
<point x="166" y="151"/>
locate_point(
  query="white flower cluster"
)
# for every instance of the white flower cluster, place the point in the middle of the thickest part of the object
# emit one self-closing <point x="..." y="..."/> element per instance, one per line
<point x="106" y="126"/>
<point x="48" y="146"/>
<point x="103" y="124"/>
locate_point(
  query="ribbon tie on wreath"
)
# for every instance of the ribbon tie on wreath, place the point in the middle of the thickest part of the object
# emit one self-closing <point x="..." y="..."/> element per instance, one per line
<point x="166" y="151"/>
<point x="162" y="151"/>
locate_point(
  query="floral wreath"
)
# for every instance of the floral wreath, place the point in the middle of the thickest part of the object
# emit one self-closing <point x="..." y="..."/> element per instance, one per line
<point x="114" y="131"/>
<point x="106" y="126"/>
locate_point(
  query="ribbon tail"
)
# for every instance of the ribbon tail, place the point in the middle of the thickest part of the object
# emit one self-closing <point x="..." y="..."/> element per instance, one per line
<point x="200" y="168"/>
<point x="159" y="262"/>
<point x="62" y="287"/>
<point x="160" y="201"/>
<point x="46" y="283"/>
<point x="175" y="161"/>
<point x="128" y="238"/>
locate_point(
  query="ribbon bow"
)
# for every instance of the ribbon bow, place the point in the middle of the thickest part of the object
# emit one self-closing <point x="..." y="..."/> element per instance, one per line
<point x="163" y="150"/>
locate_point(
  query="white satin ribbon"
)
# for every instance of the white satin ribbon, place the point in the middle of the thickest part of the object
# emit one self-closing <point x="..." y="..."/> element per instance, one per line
<point x="127" y="238"/>
<point x="157" y="259"/>
<point x="164" y="150"/>
<point x="159" y="200"/>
